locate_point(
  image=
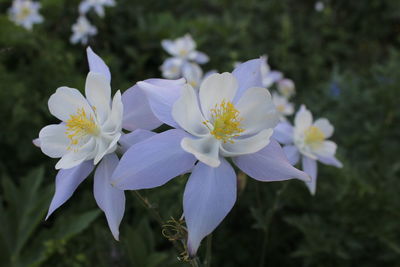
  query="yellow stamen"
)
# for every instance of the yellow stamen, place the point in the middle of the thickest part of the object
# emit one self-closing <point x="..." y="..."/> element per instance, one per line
<point x="314" y="135"/>
<point x="226" y="121"/>
<point x="280" y="108"/>
<point x="80" y="125"/>
<point x="24" y="13"/>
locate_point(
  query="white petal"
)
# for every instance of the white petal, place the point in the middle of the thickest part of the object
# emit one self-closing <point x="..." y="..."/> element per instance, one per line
<point x="113" y="123"/>
<point x="198" y="57"/>
<point x="66" y="102"/>
<point x="170" y="47"/>
<point x="104" y="148"/>
<point x="325" y="127"/>
<point x="303" y="119"/>
<point x="186" y="112"/>
<point x="53" y="140"/>
<point x="74" y="158"/>
<point x="205" y="149"/>
<point x="216" y="88"/>
<point x="247" y="145"/>
<point x="193" y="74"/>
<point x="257" y="110"/>
<point x="98" y="93"/>
<point x="326" y="149"/>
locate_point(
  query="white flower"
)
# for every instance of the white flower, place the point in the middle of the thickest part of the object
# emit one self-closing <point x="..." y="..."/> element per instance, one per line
<point x="97" y="5"/>
<point x="286" y="88"/>
<point x="309" y="140"/>
<point x="221" y="124"/>
<point x="183" y="52"/>
<point x="269" y="77"/>
<point x="82" y="30"/>
<point x="284" y="107"/>
<point x="319" y="6"/>
<point x="25" y="13"/>
<point x="90" y="127"/>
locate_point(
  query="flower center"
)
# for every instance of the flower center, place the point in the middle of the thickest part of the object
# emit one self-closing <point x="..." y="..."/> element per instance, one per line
<point x="24" y="13"/>
<point x="80" y="125"/>
<point x="226" y="121"/>
<point x="280" y="108"/>
<point x="313" y="135"/>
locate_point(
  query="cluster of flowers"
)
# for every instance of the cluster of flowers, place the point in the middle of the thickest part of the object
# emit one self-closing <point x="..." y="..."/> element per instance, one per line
<point x="83" y="29"/>
<point x="305" y="138"/>
<point x="26" y="13"/>
<point x="223" y="119"/>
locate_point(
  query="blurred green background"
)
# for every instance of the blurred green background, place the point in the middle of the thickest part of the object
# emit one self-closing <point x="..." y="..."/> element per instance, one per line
<point x="345" y="61"/>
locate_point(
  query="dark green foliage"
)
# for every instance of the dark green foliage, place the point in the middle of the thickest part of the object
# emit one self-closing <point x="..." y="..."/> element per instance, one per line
<point x="345" y="62"/>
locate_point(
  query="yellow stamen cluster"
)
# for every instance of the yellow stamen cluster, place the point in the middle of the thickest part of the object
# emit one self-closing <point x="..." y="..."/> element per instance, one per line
<point x="226" y="121"/>
<point x="24" y="13"/>
<point x="314" y="135"/>
<point x="80" y="125"/>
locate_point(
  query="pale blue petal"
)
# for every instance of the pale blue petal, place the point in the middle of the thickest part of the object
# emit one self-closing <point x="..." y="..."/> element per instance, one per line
<point x="283" y="133"/>
<point x="109" y="199"/>
<point x="210" y="194"/>
<point x="162" y="94"/>
<point x="292" y="154"/>
<point x="67" y="181"/>
<point x="153" y="162"/>
<point x="96" y="64"/>
<point x="310" y="167"/>
<point x="269" y="164"/>
<point x="248" y="75"/>
<point x="330" y="160"/>
<point x="139" y="135"/>
<point x="137" y="111"/>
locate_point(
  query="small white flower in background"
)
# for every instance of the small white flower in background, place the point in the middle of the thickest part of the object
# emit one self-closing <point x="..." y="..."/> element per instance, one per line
<point x="308" y="139"/>
<point x="82" y="30"/>
<point x="193" y="74"/>
<point x="319" y="6"/>
<point x="284" y="107"/>
<point x="25" y="13"/>
<point x="269" y="76"/>
<point x="98" y="6"/>
<point x="183" y="51"/>
<point x="286" y="88"/>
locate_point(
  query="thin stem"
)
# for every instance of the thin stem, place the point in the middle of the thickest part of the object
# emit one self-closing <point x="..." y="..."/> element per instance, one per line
<point x="194" y="262"/>
<point x="156" y="216"/>
<point x="207" y="261"/>
<point x="268" y="220"/>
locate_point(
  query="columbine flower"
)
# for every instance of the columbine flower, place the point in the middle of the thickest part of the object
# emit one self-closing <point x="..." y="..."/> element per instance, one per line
<point x="88" y="134"/>
<point x="183" y="50"/>
<point x="97" y="5"/>
<point x="269" y="77"/>
<point x="308" y="139"/>
<point x="283" y="106"/>
<point x="231" y="116"/>
<point x="25" y="13"/>
<point x="286" y="88"/>
<point x="82" y="30"/>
